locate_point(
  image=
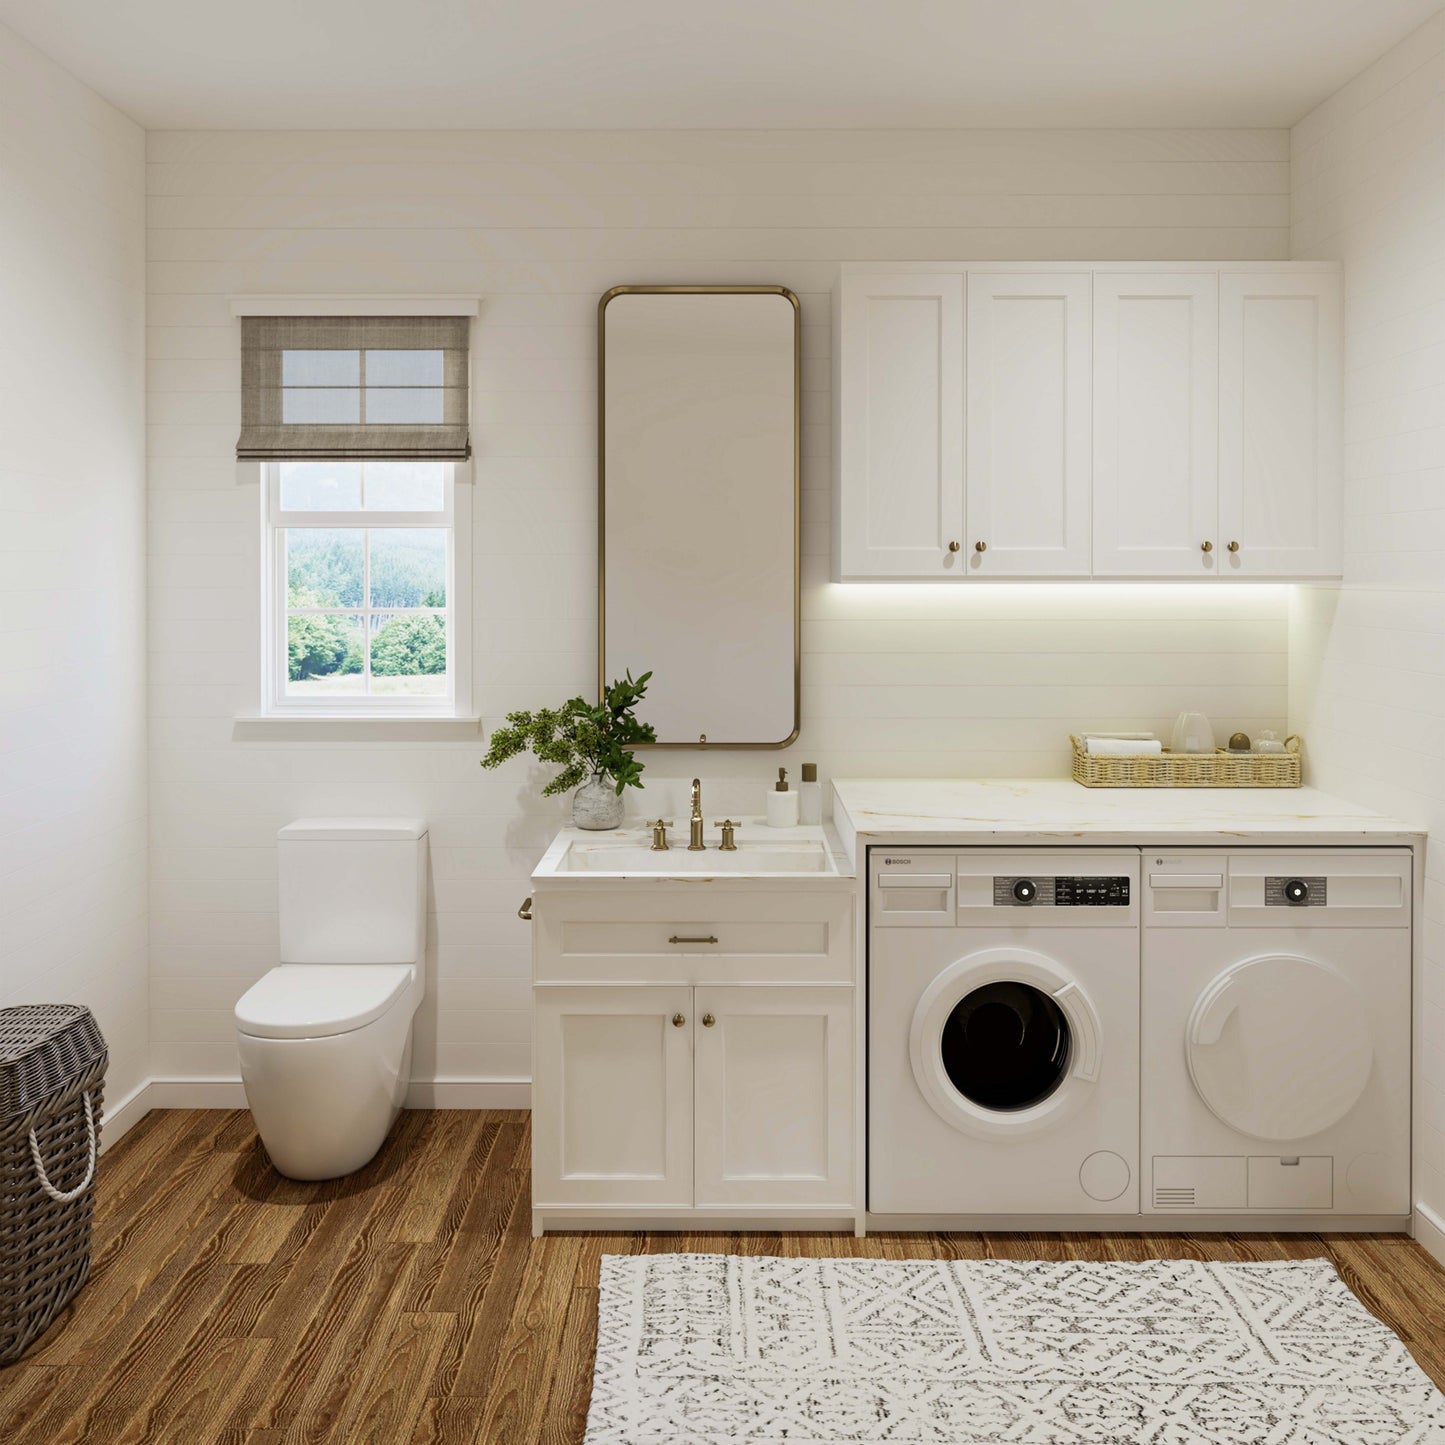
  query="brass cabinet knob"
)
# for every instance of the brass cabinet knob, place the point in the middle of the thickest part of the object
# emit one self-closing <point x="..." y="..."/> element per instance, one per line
<point x="953" y="546"/>
<point x="708" y="1021"/>
<point x="1234" y="546"/>
<point x="678" y="1020"/>
<point x="980" y="546"/>
<point x="525" y="911"/>
<point x="1206" y="546"/>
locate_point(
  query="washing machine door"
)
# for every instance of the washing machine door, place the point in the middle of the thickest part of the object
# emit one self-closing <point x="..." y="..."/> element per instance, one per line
<point x="1004" y="1042"/>
<point x="1279" y="1047"/>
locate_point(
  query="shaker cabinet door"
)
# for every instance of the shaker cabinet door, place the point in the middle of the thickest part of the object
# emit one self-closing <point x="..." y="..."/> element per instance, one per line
<point x="1156" y="405"/>
<point x="612" y="1107"/>
<point x="1279" y="424"/>
<point x="899" y="427"/>
<point x="1028" y="424"/>
<point x="774" y="1086"/>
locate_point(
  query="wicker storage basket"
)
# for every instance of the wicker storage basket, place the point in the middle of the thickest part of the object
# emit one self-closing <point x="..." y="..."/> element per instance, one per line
<point x="52" y="1077"/>
<point x="1219" y="769"/>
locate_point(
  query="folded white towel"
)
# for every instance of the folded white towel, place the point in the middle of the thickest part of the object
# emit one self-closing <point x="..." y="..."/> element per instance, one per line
<point x="1124" y="747"/>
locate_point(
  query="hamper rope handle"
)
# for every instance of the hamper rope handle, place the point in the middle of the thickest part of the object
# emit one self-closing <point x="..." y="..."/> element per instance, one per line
<point x="44" y="1178"/>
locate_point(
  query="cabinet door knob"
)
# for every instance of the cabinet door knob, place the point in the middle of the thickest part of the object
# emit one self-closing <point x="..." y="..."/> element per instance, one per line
<point x="1206" y="546"/>
<point x="1234" y="546"/>
<point x="708" y="1021"/>
<point x="980" y="546"/>
<point x="953" y="546"/>
<point x="678" y="1020"/>
<point x="525" y="911"/>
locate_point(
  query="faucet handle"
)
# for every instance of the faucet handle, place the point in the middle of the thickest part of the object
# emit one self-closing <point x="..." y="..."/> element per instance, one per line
<point x="728" y="826"/>
<point x="659" y="835"/>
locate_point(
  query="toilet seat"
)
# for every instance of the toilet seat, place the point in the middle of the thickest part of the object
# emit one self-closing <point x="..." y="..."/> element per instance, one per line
<point x="320" y="1000"/>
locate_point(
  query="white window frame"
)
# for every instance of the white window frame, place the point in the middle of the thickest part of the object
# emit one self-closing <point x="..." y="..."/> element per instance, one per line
<point x="455" y="518"/>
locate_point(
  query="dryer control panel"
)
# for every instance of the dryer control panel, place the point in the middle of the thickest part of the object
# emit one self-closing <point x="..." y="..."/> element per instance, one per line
<point x="1076" y="891"/>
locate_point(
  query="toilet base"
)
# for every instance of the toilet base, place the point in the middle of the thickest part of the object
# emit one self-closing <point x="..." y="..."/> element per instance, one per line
<point x="323" y="1107"/>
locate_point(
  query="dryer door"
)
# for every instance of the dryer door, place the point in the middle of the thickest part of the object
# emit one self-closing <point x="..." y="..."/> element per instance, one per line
<point x="1004" y="1042"/>
<point x="1279" y="1047"/>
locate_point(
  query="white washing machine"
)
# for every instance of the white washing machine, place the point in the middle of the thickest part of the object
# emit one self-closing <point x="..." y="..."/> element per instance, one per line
<point x="1003" y="1031"/>
<point x="1276" y="1028"/>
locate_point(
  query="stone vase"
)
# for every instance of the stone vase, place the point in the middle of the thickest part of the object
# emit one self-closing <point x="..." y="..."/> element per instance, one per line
<point x="596" y="805"/>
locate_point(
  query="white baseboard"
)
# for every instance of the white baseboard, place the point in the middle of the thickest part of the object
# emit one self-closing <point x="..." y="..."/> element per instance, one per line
<point x="197" y="1094"/>
<point x="230" y="1094"/>
<point x="1430" y="1231"/>
<point x="122" y="1115"/>
<point x="469" y="1094"/>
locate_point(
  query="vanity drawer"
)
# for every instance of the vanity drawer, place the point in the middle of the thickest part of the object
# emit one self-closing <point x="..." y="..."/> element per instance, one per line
<point x="745" y="937"/>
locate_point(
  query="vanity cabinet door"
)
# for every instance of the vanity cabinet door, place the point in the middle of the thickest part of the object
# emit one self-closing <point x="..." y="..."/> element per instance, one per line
<point x="898" y="511"/>
<point x="1279" y="424"/>
<point x="1156" y="435"/>
<point x="612" y="1105"/>
<point x="1028" y="421"/>
<point x="774" y="1087"/>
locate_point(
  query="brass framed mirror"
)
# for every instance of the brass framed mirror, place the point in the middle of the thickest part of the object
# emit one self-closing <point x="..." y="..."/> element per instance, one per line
<point x="699" y="435"/>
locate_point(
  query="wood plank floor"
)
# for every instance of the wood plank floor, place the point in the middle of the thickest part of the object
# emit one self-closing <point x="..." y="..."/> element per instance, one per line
<point x="409" y="1303"/>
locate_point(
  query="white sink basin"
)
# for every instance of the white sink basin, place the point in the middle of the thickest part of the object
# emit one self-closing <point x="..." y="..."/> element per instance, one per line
<point x="616" y="854"/>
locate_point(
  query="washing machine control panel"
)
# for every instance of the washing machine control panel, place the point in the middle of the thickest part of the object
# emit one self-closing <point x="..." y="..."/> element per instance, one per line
<point x="1060" y="892"/>
<point x="1296" y="892"/>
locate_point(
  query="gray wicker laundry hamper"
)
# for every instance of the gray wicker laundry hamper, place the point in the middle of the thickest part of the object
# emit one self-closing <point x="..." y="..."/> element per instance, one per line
<point x="52" y="1079"/>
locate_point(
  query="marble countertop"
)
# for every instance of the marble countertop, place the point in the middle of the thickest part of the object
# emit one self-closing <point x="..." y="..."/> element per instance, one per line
<point x="1046" y="810"/>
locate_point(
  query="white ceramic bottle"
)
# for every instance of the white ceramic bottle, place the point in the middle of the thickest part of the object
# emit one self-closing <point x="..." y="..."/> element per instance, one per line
<point x="810" y="797"/>
<point x="782" y="803"/>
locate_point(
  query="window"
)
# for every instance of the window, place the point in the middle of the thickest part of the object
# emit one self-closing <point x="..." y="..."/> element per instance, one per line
<point x="365" y="593"/>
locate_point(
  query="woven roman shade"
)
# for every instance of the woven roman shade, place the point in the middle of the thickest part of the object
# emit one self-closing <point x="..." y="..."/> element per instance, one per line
<point x="390" y="388"/>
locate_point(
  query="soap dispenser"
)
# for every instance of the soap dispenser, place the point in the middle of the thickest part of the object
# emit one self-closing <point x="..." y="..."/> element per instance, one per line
<point x="782" y="803"/>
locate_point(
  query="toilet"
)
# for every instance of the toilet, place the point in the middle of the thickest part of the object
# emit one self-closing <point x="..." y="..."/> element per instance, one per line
<point x="325" y="1039"/>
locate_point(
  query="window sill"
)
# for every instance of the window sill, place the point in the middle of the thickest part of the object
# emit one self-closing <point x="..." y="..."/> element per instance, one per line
<point x="340" y="728"/>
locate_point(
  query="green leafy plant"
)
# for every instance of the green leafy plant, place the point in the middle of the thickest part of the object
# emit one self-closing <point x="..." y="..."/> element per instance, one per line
<point x="587" y="739"/>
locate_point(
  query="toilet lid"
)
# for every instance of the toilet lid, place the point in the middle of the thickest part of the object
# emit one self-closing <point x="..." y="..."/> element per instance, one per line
<point x="318" y="1000"/>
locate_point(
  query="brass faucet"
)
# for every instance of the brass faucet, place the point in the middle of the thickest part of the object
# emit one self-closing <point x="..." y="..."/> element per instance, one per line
<point x="659" y="836"/>
<point x="694" y="835"/>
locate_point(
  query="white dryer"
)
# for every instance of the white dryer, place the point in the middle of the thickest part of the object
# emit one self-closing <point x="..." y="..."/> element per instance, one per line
<point x="1276" y="1032"/>
<point x="1003" y="1016"/>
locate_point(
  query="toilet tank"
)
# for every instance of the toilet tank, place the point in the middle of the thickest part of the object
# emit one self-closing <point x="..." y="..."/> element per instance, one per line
<point x="353" y="890"/>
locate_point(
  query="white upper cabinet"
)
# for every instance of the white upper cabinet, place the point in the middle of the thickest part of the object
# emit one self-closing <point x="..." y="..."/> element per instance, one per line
<point x="1028" y="425"/>
<point x="899" y="426"/>
<point x="1156" y="432"/>
<point x="1100" y="419"/>
<point x="1279" y="424"/>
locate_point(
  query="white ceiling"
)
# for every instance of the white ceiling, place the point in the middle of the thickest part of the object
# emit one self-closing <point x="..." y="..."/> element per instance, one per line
<point x="510" y="64"/>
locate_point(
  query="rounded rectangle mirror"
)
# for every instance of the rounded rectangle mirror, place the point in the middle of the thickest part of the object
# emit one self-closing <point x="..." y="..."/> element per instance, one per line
<point x="698" y="528"/>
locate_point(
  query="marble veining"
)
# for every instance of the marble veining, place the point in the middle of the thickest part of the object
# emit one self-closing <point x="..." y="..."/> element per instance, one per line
<point x="1017" y="810"/>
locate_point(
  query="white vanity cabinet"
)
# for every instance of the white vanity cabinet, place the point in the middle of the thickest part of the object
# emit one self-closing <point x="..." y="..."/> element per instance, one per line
<point x="1169" y="420"/>
<point x="694" y="1053"/>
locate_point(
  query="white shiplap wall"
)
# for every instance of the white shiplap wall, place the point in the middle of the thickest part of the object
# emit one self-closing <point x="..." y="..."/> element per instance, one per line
<point x="1368" y="658"/>
<point x="897" y="680"/>
<point x="72" y="555"/>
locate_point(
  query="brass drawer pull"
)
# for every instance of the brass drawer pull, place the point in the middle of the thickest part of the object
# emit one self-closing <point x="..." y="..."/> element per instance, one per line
<point x="683" y="938"/>
<point x="708" y="1021"/>
<point x="525" y="911"/>
<point x="678" y="1020"/>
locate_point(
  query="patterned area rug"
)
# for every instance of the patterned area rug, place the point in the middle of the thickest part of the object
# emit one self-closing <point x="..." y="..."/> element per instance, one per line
<point x="697" y="1349"/>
